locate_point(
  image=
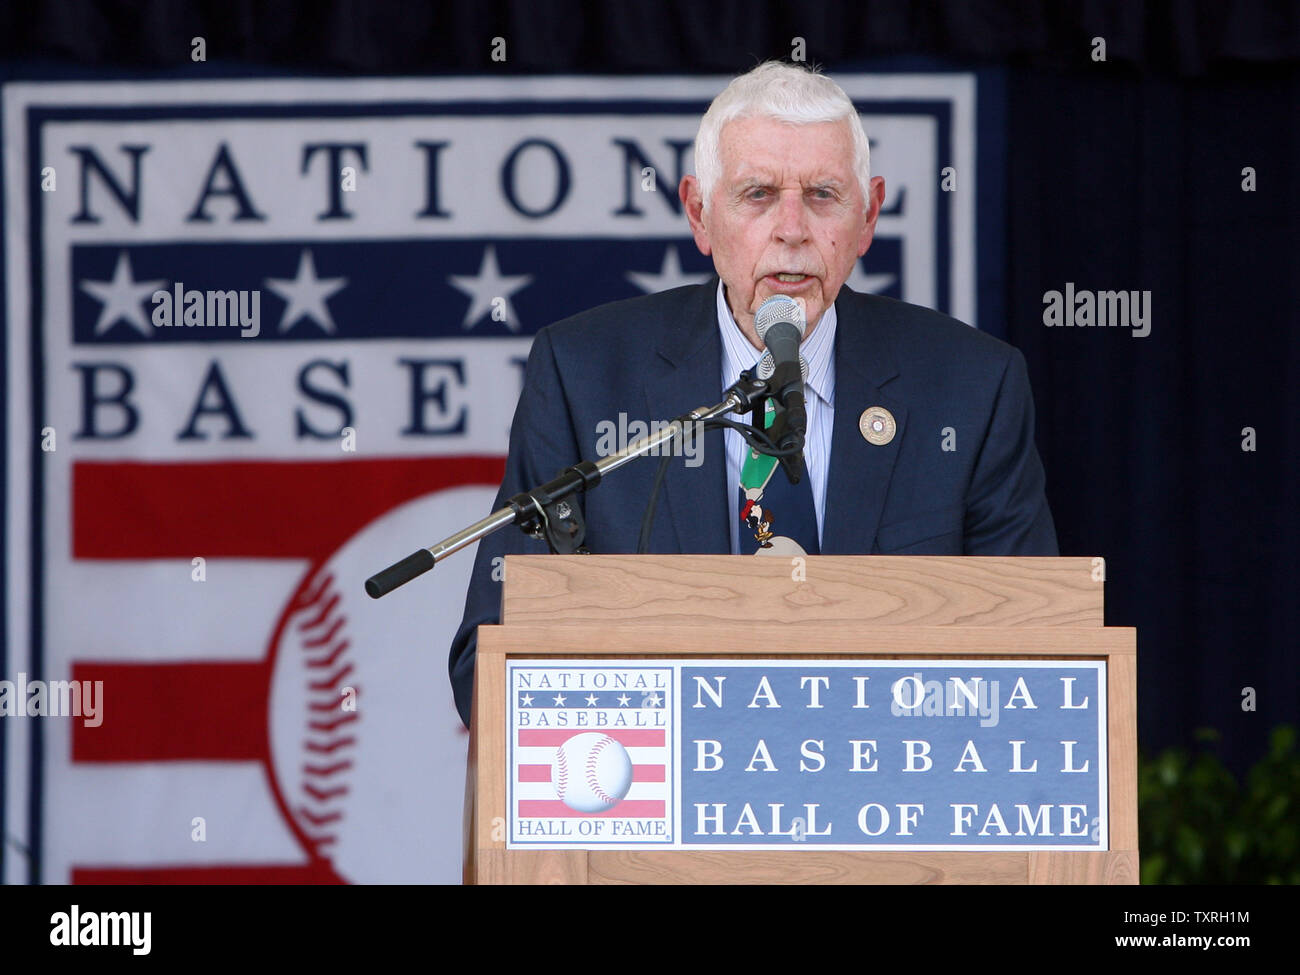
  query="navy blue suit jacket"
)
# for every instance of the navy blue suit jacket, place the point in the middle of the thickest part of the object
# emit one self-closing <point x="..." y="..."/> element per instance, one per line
<point x="658" y="356"/>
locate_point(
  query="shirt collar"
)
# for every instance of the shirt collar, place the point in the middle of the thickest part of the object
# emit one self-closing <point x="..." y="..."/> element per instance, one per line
<point x="817" y="349"/>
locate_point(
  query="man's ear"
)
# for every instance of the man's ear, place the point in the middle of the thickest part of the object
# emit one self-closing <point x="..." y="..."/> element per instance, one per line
<point x="693" y="203"/>
<point x="875" y="200"/>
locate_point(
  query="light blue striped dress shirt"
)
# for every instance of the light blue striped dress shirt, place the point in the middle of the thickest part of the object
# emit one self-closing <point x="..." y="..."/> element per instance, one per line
<point x="819" y="350"/>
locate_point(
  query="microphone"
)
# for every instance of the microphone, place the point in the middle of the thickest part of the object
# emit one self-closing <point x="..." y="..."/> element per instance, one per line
<point x="766" y="366"/>
<point x="781" y="325"/>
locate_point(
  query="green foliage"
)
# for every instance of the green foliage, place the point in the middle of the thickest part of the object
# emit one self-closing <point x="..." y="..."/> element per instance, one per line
<point x="1198" y="825"/>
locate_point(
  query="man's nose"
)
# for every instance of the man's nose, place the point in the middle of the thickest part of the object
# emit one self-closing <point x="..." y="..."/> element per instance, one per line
<point x="791" y="219"/>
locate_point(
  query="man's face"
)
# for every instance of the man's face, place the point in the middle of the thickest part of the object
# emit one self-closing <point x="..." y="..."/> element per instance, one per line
<point x="787" y="216"/>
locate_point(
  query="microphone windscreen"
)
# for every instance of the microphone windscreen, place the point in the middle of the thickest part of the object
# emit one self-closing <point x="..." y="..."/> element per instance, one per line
<point x="779" y="308"/>
<point x="767" y="366"/>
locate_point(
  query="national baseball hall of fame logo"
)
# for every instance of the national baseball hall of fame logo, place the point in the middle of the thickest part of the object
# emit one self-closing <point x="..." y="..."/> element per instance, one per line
<point x="590" y="754"/>
<point x="260" y="338"/>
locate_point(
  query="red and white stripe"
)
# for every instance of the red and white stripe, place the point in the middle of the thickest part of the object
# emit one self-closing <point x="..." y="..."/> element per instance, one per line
<point x="535" y="751"/>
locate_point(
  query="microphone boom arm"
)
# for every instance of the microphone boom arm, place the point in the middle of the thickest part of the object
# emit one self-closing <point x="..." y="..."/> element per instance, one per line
<point x="543" y="512"/>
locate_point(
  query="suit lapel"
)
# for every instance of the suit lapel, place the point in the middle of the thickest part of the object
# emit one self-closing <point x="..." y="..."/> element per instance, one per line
<point x="860" y="471"/>
<point x="686" y="372"/>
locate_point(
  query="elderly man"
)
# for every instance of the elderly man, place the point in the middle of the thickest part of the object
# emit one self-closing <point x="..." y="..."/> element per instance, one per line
<point x="920" y="429"/>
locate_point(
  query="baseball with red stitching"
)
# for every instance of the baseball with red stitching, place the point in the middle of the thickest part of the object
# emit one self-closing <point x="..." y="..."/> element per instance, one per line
<point x="591" y="772"/>
<point x="367" y="751"/>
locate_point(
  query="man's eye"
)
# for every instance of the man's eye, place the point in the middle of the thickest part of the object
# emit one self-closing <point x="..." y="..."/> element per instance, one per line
<point x="758" y="193"/>
<point x="822" y="193"/>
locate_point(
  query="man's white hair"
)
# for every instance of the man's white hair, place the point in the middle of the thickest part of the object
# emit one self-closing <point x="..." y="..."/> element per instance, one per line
<point x="789" y="94"/>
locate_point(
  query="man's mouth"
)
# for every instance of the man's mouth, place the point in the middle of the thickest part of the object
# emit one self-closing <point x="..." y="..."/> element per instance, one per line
<point x="789" y="282"/>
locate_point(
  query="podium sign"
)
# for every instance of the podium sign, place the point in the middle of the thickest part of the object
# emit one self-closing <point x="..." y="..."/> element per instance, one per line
<point x="841" y="755"/>
<point x="845" y="719"/>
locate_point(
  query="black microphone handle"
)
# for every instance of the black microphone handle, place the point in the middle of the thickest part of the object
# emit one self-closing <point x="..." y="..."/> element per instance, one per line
<point x="782" y="340"/>
<point x="795" y="406"/>
<point x="787" y="385"/>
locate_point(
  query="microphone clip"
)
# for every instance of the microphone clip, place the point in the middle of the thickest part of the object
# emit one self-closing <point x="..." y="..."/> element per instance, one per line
<point x="782" y="432"/>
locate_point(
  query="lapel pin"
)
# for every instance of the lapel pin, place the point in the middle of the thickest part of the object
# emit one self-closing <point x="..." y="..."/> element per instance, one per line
<point x="877" y="425"/>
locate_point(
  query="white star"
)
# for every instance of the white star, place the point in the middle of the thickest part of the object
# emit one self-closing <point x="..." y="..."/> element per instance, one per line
<point x="306" y="295"/>
<point x="868" y="284"/>
<point x="622" y="700"/>
<point x="591" y="700"/>
<point x="653" y="701"/>
<point x="121" y="298"/>
<point x="559" y="700"/>
<point x="526" y="700"/>
<point x="488" y="285"/>
<point x="670" y="275"/>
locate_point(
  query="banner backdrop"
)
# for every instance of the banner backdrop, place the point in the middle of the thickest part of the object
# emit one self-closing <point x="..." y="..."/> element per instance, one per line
<point x="263" y="338"/>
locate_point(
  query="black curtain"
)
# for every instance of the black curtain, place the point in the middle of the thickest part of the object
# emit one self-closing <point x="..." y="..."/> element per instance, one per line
<point x="1185" y="37"/>
<point x="1136" y="183"/>
<point x="1122" y="174"/>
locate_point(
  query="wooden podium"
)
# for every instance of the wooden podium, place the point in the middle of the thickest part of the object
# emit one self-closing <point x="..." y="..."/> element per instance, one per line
<point x="830" y="607"/>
